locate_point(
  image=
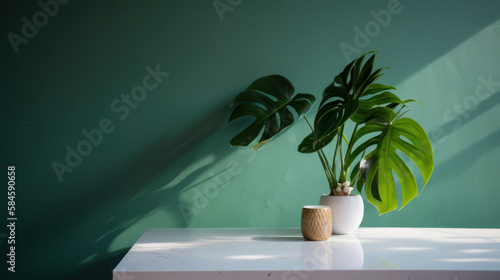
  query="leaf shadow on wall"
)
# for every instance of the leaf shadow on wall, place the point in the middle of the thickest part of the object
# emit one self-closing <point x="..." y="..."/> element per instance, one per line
<point x="150" y="183"/>
<point x="461" y="117"/>
<point x="460" y="162"/>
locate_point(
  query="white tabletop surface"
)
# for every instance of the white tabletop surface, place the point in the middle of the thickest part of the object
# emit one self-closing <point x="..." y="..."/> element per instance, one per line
<point x="282" y="253"/>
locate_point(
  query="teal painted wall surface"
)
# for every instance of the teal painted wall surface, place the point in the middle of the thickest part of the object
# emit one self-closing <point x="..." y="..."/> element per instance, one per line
<point x="114" y="114"/>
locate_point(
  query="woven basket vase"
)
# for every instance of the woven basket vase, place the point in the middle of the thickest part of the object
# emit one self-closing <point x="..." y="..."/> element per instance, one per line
<point x="316" y="222"/>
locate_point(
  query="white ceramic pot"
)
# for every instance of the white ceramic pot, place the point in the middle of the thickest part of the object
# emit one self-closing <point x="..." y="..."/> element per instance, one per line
<point x="347" y="212"/>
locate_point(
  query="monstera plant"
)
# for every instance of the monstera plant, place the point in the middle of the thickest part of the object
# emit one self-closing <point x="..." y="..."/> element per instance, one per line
<point x="361" y="120"/>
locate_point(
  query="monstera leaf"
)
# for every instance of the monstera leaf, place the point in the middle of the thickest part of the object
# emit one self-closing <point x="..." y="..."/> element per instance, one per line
<point x="371" y="108"/>
<point x="376" y="169"/>
<point x="306" y="146"/>
<point x="341" y="102"/>
<point x="271" y="101"/>
<point x="335" y="109"/>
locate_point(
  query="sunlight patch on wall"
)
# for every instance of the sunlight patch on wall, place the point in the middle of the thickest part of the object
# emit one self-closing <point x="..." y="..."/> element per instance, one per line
<point x="460" y="92"/>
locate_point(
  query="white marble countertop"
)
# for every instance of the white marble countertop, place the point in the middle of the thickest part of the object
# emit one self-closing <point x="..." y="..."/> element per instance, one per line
<point x="282" y="253"/>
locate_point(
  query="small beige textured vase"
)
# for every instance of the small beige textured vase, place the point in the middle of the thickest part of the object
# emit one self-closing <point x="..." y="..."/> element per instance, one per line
<point x="316" y="222"/>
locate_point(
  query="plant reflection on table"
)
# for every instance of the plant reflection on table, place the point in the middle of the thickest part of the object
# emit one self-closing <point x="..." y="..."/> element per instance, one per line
<point x="340" y="252"/>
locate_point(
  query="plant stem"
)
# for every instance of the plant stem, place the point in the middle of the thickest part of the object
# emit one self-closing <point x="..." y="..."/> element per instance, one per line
<point x="330" y="176"/>
<point x="339" y="144"/>
<point x="325" y="167"/>
<point x="310" y="126"/>
<point x="334" y="163"/>
<point x="351" y="144"/>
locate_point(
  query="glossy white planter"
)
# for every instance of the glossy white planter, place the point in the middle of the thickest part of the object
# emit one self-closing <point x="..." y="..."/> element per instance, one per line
<point x="347" y="212"/>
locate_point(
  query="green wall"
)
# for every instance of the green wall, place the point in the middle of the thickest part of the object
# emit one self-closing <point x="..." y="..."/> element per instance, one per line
<point x="163" y="158"/>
